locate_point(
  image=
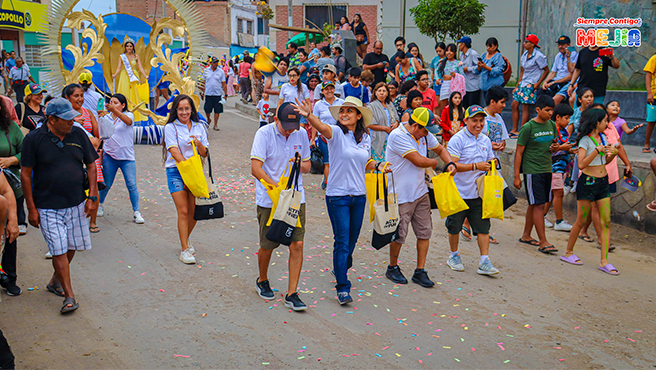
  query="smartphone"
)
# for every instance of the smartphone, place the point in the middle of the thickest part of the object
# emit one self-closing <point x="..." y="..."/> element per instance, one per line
<point x="479" y="59"/>
<point x="606" y="52"/>
<point x="571" y="48"/>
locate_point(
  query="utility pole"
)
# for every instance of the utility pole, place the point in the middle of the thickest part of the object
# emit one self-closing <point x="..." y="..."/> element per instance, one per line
<point x="290" y="21"/>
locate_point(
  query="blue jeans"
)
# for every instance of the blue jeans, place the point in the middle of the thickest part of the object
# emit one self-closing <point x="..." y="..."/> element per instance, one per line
<point x="129" y="170"/>
<point x="346" y="214"/>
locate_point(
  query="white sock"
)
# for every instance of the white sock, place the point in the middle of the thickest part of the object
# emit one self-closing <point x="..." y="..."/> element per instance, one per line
<point x="483" y="257"/>
<point x="453" y="254"/>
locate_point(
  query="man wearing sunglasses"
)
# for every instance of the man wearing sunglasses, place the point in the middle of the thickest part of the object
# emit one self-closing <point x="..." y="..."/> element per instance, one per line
<point x="54" y="179"/>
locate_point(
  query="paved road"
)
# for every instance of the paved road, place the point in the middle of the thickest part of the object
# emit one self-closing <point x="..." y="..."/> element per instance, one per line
<point x="142" y="308"/>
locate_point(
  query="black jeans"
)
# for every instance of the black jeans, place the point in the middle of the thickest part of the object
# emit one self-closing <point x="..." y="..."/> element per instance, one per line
<point x="6" y="357"/>
<point x="20" y="210"/>
<point x="19" y="88"/>
<point x="9" y="254"/>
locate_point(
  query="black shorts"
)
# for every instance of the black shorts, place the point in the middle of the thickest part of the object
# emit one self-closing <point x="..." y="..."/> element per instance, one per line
<point x="538" y="188"/>
<point x="592" y="188"/>
<point x="213" y="103"/>
<point x="474" y="214"/>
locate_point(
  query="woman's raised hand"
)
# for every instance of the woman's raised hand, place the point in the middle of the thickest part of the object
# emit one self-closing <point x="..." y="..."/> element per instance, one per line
<point x="302" y="107"/>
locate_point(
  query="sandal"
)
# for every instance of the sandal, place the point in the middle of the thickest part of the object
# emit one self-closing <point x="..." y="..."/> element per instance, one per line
<point x="572" y="259"/>
<point x="55" y="289"/>
<point x="467" y="238"/>
<point x="69" y="301"/>
<point x="609" y="269"/>
<point x="586" y="238"/>
<point x="645" y="149"/>
<point x="513" y="136"/>
<point x="532" y="242"/>
<point x="493" y="241"/>
<point x="94" y="229"/>
<point x="652" y="206"/>
<point x="548" y="249"/>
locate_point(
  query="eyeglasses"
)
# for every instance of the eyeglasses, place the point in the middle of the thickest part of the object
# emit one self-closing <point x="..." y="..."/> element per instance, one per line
<point x="293" y="75"/>
<point x="181" y="109"/>
<point x="423" y="80"/>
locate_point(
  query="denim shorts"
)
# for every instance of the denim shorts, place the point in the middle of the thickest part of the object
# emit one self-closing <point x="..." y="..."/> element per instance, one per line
<point x="592" y="188"/>
<point x="651" y="113"/>
<point x="175" y="180"/>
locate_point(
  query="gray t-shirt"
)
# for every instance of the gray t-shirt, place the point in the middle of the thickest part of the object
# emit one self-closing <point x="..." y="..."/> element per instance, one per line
<point x="589" y="146"/>
<point x="276" y="83"/>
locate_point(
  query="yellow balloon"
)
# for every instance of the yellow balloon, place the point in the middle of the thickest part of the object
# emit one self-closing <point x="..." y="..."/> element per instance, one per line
<point x="264" y="61"/>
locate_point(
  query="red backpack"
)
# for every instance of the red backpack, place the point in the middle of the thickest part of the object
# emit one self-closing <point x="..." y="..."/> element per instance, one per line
<point x="507" y="73"/>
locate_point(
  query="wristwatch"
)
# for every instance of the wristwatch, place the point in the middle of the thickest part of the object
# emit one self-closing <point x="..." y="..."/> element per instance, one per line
<point x="93" y="198"/>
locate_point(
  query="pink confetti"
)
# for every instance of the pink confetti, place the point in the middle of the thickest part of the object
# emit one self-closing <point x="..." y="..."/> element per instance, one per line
<point x="638" y="331"/>
<point x="500" y="346"/>
<point x="185" y="356"/>
<point x="561" y="359"/>
<point x="606" y="341"/>
<point x="417" y="348"/>
<point x="578" y="327"/>
<point x="377" y="334"/>
<point x="429" y="354"/>
<point x="386" y="347"/>
<point x="161" y="290"/>
<point x="346" y="356"/>
<point x="143" y="273"/>
<point x="369" y="323"/>
<point x="557" y="348"/>
<point x="631" y="339"/>
<point x="473" y="349"/>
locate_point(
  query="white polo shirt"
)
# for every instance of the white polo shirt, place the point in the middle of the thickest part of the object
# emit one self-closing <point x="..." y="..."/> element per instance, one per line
<point x="275" y="151"/>
<point x="322" y="110"/>
<point x="469" y="149"/>
<point x="409" y="180"/>
<point x="214" y="81"/>
<point x="289" y="93"/>
<point x="178" y="135"/>
<point x="348" y="160"/>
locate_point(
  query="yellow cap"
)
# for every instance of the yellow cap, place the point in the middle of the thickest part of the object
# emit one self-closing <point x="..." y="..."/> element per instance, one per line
<point x="85" y="78"/>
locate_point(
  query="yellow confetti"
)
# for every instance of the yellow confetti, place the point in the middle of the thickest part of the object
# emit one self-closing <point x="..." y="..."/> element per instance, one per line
<point x="397" y="353"/>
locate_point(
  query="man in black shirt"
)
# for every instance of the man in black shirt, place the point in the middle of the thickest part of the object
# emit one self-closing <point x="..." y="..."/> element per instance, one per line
<point x="376" y="62"/>
<point x="53" y="178"/>
<point x="399" y="43"/>
<point x="592" y="67"/>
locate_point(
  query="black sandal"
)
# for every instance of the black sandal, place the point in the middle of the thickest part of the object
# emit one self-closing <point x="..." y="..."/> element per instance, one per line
<point x="548" y="249"/>
<point x="72" y="302"/>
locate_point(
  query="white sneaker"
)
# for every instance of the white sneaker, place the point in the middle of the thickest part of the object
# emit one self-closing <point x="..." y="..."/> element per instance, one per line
<point x="547" y="223"/>
<point x="566" y="190"/>
<point x="562" y="226"/>
<point x="101" y="210"/>
<point x="187" y="257"/>
<point x="22" y="229"/>
<point x="573" y="189"/>
<point x="48" y="255"/>
<point x="190" y="247"/>
<point x="138" y="218"/>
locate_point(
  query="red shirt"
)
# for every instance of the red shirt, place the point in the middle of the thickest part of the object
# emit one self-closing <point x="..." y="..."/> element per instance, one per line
<point x="430" y="99"/>
<point x="243" y="69"/>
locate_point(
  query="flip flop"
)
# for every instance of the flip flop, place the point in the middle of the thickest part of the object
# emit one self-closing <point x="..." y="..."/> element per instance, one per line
<point x="652" y="206"/>
<point x="586" y="238"/>
<point x="467" y="238"/>
<point x="513" y="136"/>
<point x="610" y="247"/>
<point x="573" y="259"/>
<point x="56" y="289"/>
<point x="72" y="302"/>
<point x="609" y="269"/>
<point x="532" y="242"/>
<point x="94" y="229"/>
<point x="493" y="241"/>
<point x="216" y="129"/>
<point x="548" y="249"/>
<point x="645" y="150"/>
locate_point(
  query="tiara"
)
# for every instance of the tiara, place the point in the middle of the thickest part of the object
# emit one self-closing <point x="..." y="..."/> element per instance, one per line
<point x="128" y="40"/>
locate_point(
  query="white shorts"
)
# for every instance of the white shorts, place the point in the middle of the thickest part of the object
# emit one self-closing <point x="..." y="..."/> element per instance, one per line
<point x="65" y="229"/>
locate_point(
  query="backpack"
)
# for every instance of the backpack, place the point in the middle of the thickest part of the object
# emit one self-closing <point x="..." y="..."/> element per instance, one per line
<point x="507" y="73"/>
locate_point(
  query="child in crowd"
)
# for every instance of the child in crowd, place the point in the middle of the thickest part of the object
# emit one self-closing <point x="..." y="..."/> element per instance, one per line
<point x="414" y="101"/>
<point x="613" y="109"/>
<point x="495" y="127"/>
<point x="559" y="160"/>
<point x="452" y="116"/>
<point x="263" y="109"/>
<point x="366" y="79"/>
<point x="533" y="158"/>
<point x="585" y="97"/>
<point x="353" y="87"/>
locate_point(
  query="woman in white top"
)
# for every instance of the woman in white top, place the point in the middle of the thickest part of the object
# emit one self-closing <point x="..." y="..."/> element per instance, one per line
<point x="119" y="153"/>
<point x="350" y="146"/>
<point x="294" y="89"/>
<point x="182" y="128"/>
<point x="273" y="84"/>
<point x="322" y="111"/>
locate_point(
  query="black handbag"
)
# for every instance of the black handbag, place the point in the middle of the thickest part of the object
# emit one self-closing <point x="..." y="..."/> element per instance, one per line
<point x="212" y="207"/>
<point x="316" y="160"/>
<point x="509" y="199"/>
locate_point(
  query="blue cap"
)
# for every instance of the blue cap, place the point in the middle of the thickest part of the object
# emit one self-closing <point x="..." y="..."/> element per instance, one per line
<point x="62" y="108"/>
<point x="465" y="39"/>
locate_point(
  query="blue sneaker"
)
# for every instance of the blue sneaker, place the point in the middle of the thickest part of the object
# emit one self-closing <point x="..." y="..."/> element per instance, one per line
<point x="344" y="298"/>
<point x="487" y="268"/>
<point x="455" y="263"/>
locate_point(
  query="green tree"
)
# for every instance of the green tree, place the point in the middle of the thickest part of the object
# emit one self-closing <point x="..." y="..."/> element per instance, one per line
<point x="453" y="18"/>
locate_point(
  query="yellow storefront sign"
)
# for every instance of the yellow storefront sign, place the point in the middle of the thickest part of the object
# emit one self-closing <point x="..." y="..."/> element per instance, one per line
<point x="23" y="15"/>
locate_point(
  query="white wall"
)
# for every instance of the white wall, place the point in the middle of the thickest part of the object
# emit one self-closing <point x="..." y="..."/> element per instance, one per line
<point x="501" y="21"/>
<point x="241" y="11"/>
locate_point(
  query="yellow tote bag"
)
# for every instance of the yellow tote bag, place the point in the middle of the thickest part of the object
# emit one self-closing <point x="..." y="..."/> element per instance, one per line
<point x="192" y="174"/>
<point x="492" y="195"/>
<point x="370" y="181"/>
<point x="447" y="197"/>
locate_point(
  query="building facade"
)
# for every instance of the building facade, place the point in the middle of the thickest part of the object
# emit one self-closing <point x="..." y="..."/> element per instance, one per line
<point x="314" y="13"/>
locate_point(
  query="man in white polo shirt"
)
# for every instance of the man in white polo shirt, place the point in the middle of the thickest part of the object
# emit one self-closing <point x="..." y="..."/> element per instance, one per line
<point x="407" y="151"/>
<point x="274" y="147"/>
<point x="471" y="151"/>
<point x="214" y="89"/>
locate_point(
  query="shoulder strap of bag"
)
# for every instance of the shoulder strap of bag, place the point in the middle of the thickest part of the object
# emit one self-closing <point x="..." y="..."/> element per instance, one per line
<point x="22" y="106"/>
<point x="209" y="165"/>
<point x="292" y="183"/>
<point x="177" y="140"/>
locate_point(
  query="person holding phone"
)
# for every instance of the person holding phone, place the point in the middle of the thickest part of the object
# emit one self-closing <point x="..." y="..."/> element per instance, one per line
<point x="558" y="79"/>
<point x="592" y="68"/>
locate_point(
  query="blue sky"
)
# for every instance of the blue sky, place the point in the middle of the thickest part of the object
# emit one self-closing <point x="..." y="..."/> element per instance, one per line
<point x="97" y="6"/>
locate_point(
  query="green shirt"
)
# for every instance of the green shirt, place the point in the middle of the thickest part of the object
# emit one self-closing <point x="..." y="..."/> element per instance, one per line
<point x="537" y="138"/>
<point x="11" y="144"/>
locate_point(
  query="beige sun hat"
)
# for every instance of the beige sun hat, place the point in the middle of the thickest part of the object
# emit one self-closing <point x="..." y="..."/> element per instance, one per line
<point x="352" y="101"/>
